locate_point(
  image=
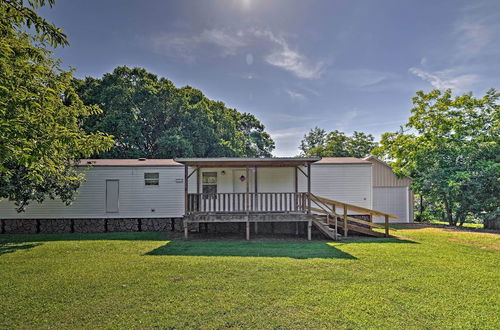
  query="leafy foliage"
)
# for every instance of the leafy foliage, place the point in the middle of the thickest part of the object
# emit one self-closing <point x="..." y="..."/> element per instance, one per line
<point x="450" y="148"/>
<point x="40" y="112"/>
<point x="336" y="144"/>
<point x="152" y="118"/>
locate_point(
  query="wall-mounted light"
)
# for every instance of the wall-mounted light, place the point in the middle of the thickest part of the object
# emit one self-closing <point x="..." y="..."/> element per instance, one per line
<point x="223" y="172"/>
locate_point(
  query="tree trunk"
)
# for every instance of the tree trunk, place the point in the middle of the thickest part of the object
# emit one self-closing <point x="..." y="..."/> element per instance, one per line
<point x="421" y="209"/>
<point x="449" y="212"/>
<point x="462" y="218"/>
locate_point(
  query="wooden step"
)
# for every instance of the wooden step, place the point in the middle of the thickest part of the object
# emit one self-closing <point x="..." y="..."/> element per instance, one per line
<point x="359" y="229"/>
<point x="325" y="229"/>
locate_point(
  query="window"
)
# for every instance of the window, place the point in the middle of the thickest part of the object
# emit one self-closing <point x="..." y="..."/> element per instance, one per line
<point x="209" y="181"/>
<point x="151" y="179"/>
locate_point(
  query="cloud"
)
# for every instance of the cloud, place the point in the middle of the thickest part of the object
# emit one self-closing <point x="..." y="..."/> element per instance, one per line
<point x="449" y="78"/>
<point x="476" y="30"/>
<point x="290" y="60"/>
<point x="365" y="78"/>
<point x="230" y="42"/>
<point x="287" y="140"/>
<point x="295" y="96"/>
<point x="345" y="121"/>
<point x="184" y="46"/>
<point x="473" y="38"/>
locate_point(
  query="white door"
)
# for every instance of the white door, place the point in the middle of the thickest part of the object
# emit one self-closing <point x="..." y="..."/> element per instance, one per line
<point x="392" y="200"/>
<point x="112" y="196"/>
<point x="240" y="181"/>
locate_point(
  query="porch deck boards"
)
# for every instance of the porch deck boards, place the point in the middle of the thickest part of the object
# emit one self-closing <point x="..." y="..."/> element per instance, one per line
<point x="243" y="217"/>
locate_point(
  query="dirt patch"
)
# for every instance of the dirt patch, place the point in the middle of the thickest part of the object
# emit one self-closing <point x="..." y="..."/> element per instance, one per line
<point x="447" y="228"/>
<point x="483" y="245"/>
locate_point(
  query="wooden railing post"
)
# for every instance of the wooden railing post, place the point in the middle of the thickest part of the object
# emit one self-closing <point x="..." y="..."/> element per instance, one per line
<point x="386" y="226"/>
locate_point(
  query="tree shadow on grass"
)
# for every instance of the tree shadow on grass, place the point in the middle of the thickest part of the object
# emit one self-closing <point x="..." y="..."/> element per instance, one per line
<point x="393" y="240"/>
<point x="295" y="250"/>
<point x="13" y="247"/>
<point x="111" y="236"/>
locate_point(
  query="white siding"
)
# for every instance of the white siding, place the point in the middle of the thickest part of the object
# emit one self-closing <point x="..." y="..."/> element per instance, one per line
<point x="276" y="179"/>
<point x="135" y="198"/>
<point x="348" y="183"/>
<point x="392" y="200"/>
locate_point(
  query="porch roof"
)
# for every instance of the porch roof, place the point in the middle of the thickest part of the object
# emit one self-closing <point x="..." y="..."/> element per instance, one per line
<point x="243" y="162"/>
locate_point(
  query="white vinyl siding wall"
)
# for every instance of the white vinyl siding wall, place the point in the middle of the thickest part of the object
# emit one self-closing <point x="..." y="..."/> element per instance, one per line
<point x="390" y="193"/>
<point x="275" y="179"/>
<point x="348" y="183"/>
<point x="393" y="200"/>
<point x="135" y="198"/>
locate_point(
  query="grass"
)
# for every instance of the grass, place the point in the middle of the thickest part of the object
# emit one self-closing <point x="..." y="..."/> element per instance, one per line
<point x="428" y="278"/>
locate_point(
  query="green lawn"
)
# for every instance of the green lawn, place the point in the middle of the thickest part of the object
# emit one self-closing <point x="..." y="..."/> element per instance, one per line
<point x="428" y="278"/>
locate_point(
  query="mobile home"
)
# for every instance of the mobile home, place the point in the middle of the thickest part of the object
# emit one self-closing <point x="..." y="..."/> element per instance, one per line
<point x="167" y="194"/>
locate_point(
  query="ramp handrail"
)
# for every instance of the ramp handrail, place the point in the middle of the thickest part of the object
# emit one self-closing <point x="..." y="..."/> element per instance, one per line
<point x="324" y="208"/>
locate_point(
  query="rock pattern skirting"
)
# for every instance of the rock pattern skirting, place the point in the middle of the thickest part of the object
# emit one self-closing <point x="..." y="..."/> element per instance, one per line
<point x="60" y="226"/>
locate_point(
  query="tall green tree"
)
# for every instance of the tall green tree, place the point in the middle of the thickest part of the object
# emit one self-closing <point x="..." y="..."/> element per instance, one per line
<point x="40" y="113"/>
<point x="450" y="148"/>
<point x="150" y="117"/>
<point x="336" y="144"/>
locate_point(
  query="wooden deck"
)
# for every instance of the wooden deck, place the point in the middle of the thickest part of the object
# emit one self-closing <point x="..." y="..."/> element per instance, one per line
<point x="327" y="215"/>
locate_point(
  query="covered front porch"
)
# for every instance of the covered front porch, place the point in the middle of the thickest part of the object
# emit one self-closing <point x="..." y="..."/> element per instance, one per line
<point x="247" y="190"/>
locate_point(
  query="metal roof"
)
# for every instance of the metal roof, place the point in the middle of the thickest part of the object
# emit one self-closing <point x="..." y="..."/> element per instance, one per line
<point x="342" y="160"/>
<point x="227" y="161"/>
<point x="217" y="162"/>
<point x="128" y="162"/>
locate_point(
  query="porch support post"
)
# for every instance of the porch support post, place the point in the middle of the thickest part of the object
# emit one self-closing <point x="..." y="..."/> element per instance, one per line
<point x="345" y="221"/>
<point x="308" y="188"/>
<point x="295" y="198"/>
<point x="185" y="224"/>
<point x="247" y="203"/>
<point x="198" y="174"/>
<point x="336" y="230"/>
<point x="386" y="226"/>
<point x="309" y="226"/>
<point x="186" y="178"/>
<point x="256" y="199"/>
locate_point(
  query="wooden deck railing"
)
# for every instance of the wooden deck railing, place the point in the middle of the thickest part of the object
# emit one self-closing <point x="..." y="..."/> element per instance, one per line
<point x="331" y="207"/>
<point x="257" y="202"/>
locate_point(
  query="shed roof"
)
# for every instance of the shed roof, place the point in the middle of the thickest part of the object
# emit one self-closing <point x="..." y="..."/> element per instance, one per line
<point x="342" y="160"/>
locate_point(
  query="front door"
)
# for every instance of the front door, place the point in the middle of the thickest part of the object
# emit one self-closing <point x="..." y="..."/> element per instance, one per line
<point x="239" y="181"/>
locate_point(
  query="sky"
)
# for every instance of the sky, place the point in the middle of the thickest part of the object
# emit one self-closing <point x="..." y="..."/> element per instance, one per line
<point x="339" y="65"/>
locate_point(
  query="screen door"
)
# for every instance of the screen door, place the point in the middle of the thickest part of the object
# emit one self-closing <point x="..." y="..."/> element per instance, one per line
<point x="112" y="195"/>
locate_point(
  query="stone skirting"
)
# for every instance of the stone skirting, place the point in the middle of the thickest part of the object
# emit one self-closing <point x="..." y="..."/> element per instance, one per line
<point x="60" y="226"/>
